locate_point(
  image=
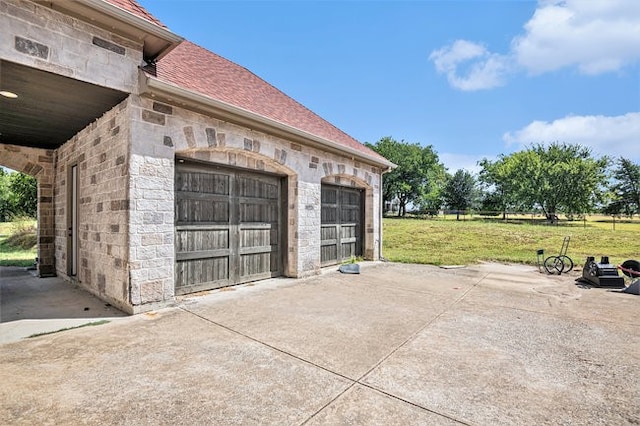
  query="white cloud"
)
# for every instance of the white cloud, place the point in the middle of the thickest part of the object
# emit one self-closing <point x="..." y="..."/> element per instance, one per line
<point x="596" y="36"/>
<point x="613" y="136"/>
<point x="486" y="72"/>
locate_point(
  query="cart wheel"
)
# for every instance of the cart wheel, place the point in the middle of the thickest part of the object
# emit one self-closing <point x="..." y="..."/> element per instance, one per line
<point x="568" y="263"/>
<point x="554" y="265"/>
<point x="632" y="265"/>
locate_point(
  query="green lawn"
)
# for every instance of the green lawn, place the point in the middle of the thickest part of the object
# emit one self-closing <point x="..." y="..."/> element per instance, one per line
<point x="450" y="242"/>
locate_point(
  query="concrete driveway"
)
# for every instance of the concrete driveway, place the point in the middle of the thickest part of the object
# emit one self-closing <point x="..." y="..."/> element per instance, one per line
<point x="397" y="344"/>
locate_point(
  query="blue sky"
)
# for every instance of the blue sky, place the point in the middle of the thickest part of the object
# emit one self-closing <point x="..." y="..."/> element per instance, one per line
<point x="472" y="78"/>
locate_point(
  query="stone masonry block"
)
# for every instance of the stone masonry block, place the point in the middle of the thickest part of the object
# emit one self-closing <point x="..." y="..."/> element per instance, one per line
<point x="162" y="108"/>
<point x="152" y="218"/>
<point x="151" y="291"/>
<point x="152" y="239"/>
<point x="189" y="136"/>
<point x="105" y="44"/>
<point x="32" y="48"/>
<point x="145" y="253"/>
<point x="153" y="117"/>
<point x="212" y="139"/>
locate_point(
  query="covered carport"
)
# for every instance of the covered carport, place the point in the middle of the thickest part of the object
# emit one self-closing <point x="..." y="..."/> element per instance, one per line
<point x="40" y="111"/>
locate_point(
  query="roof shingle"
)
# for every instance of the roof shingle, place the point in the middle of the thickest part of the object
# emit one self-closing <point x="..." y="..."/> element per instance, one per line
<point x="133" y="7"/>
<point x="195" y="68"/>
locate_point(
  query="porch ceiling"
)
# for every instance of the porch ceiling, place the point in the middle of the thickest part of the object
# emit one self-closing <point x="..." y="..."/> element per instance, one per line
<point x="50" y="108"/>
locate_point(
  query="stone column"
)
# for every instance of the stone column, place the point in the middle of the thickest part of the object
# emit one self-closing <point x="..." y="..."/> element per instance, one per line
<point x="46" y="220"/>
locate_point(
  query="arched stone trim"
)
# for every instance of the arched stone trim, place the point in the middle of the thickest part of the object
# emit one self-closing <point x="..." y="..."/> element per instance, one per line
<point x="352" y="181"/>
<point x="233" y="157"/>
<point x="39" y="164"/>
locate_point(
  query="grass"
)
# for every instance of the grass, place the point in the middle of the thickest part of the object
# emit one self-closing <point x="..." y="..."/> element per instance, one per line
<point x="451" y="242"/>
<point x="442" y="241"/>
<point x="18" y="243"/>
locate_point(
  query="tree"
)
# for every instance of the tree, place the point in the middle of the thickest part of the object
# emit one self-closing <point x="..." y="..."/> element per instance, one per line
<point x="18" y="195"/>
<point x="555" y="178"/>
<point x="497" y="178"/>
<point x="417" y="175"/>
<point x="625" y="189"/>
<point x="5" y="196"/>
<point x="460" y="191"/>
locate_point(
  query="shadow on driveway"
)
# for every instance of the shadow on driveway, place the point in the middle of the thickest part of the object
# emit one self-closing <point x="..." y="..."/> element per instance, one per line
<point x="30" y="305"/>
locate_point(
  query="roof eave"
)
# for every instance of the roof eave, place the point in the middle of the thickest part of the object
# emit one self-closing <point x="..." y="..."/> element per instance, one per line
<point x="155" y="87"/>
<point x="157" y="40"/>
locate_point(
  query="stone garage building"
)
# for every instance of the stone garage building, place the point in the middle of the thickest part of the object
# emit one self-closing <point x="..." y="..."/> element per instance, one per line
<point x="164" y="168"/>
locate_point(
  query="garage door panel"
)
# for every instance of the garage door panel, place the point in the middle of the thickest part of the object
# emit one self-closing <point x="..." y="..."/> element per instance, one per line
<point x="329" y="253"/>
<point x="348" y="231"/>
<point x="348" y="249"/>
<point x="259" y="236"/>
<point x="202" y="274"/>
<point x="199" y="239"/>
<point x="257" y="266"/>
<point x="198" y="210"/>
<point x="252" y="187"/>
<point x="264" y="211"/>
<point x="341" y="230"/>
<point x="227" y="228"/>
<point x="349" y="214"/>
<point x="329" y="195"/>
<point x="349" y="197"/>
<point x="202" y="183"/>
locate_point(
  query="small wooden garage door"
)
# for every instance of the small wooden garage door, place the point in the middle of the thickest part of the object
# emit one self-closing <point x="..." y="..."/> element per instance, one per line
<point x="228" y="227"/>
<point x="342" y="223"/>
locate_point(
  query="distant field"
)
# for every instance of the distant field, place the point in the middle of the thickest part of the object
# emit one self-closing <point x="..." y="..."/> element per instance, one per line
<point x="445" y="241"/>
<point x="19" y="250"/>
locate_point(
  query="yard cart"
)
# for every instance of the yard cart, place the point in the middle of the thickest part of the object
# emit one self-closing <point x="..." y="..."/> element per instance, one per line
<point x="556" y="264"/>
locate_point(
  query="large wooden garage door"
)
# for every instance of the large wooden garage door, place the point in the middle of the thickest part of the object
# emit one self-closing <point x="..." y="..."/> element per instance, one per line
<point x="341" y="232"/>
<point x="228" y="227"/>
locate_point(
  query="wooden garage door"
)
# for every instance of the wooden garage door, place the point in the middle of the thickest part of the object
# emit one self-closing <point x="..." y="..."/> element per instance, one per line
<point x="341" y="232"/>
<point x="228" y="227"/>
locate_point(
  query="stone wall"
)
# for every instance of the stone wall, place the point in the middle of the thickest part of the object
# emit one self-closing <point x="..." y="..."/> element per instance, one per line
<point x="162" y="132"/>
<point x="151" y="251"/>
<point x="101" y="153"/>
<point x="33" y="34"/>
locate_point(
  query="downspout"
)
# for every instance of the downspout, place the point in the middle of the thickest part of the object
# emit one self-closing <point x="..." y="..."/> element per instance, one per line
<point x="380" y="256"/>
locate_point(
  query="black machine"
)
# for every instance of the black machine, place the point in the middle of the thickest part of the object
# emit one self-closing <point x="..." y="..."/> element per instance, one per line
<point x="601" y="274"/>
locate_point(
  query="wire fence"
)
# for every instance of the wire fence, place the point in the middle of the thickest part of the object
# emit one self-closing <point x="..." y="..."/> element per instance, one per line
<point x="535" y="217"/>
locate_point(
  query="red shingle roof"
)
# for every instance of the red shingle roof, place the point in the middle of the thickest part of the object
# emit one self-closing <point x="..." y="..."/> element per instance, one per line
<point x="133" y="7"/>
<point x="195" y="68"/>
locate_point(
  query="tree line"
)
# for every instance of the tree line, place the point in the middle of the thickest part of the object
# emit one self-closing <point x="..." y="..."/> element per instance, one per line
<point x="18" y="195"/>
<point x="554" y="179"/>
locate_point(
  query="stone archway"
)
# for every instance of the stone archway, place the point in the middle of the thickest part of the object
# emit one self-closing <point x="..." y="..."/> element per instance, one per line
<point x="39" y="164"/>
